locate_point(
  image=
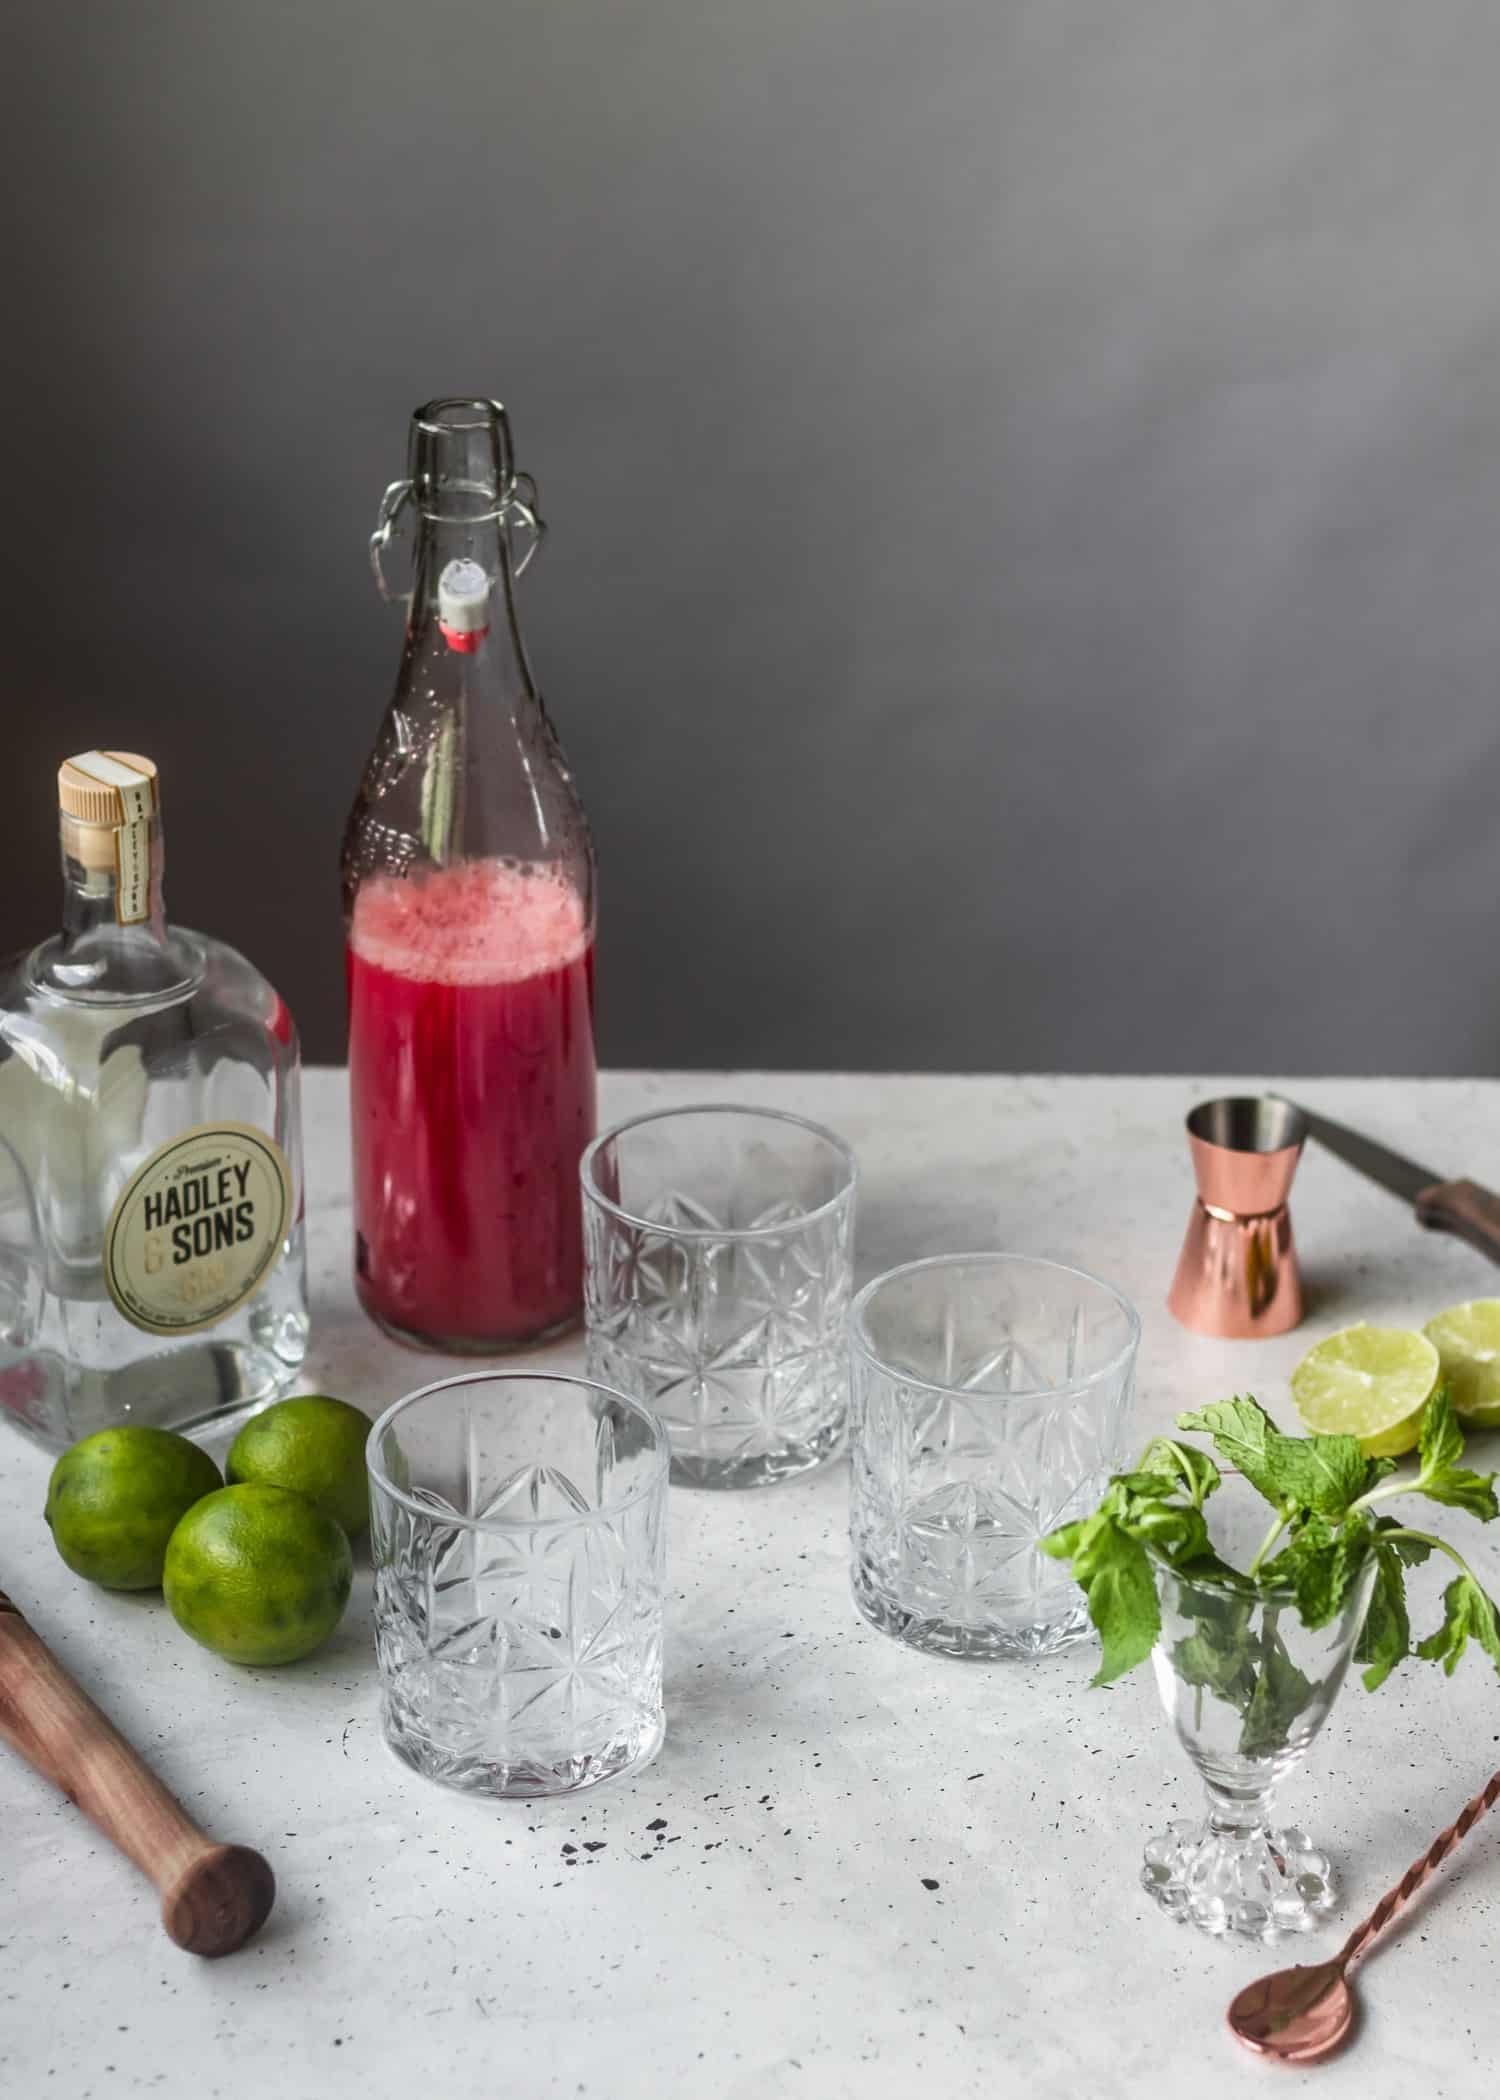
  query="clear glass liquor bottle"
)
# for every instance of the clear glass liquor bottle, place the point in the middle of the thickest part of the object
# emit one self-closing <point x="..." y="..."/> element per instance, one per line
<point x="469" y="911"/>
<point x="152" y="1264"/>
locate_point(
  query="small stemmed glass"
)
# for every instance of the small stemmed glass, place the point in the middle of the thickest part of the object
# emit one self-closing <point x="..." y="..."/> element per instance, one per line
<point x="1247" y="1687"/>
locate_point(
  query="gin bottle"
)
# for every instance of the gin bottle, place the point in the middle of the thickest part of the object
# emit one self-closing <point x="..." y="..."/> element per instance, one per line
<point x="151" y="1234"/>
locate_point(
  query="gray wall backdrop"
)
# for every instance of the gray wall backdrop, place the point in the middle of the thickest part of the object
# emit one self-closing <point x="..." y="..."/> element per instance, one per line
<point x="1025" y="478"/>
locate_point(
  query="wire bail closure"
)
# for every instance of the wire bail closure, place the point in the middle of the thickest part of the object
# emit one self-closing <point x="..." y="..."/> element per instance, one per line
<point x="516" y="501"/>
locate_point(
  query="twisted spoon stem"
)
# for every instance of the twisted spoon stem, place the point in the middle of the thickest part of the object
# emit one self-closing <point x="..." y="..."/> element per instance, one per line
<point x="1386" y="1909"/>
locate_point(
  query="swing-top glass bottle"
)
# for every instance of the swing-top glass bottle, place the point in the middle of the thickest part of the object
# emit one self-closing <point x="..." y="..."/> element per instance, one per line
<point x="469" y="914"/>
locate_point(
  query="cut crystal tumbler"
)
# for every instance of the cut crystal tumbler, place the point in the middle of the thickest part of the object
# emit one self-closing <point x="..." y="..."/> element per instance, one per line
<point x="717" y="1279"/>
<point x="990" y="1398"/>
<point x="517" y="1526"/>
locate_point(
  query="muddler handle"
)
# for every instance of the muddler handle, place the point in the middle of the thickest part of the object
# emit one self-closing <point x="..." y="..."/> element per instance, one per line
<point x="1465" y="1209"/>
<point x="212" y="1896"/>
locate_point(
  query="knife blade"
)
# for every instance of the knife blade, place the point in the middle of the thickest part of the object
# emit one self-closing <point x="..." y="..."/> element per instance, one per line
<point x="1402" y="1176"/>
<point x="1465" y="1208"/>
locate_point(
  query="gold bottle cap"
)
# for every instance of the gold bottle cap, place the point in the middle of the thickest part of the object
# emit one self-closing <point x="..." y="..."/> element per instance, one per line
<point x="106" y="787"/>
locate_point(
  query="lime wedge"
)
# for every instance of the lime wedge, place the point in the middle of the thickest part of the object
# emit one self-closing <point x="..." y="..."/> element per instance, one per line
<point x="1369" y="1382"/>
<point x="1467" y="1338"/>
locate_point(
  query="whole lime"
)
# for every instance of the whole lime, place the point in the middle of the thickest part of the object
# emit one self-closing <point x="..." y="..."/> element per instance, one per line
<point x="115" y="1497"/>
<point x="258" y="1574"/>
<point x="314" y="1446"/>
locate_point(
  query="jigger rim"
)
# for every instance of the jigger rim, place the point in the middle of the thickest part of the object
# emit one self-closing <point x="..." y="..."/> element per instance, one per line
<point x="1256" y="1125"/>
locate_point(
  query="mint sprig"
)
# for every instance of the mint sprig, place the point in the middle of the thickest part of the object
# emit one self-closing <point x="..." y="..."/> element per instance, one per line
<point x="1327" y="1528"/>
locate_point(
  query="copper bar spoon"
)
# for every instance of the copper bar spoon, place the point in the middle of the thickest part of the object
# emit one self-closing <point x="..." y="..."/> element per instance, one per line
<point x="213" y="1897"/>
<point x="1302" y="2015"/>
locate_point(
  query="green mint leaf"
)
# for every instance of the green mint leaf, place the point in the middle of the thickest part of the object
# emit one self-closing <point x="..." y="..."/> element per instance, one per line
<point x="1241" y="1430"/>
<point x="1138" y="1503"/>
<point x="1410" y="1551"/>
<point x="1322" y="1563"/>
<point x="1441" y="1478"/>
<point x="1175" y="1530"/>
<point x="1139" y="1506"/>
<point x="1115" y="1575"/>
<point x="1227" y="1611"/>
<point x="1325" y="1473"/>
<point x="1440" y="1441"/>
<point x="1063" y="1543"/>
<point x="1219" y="1653"/>
<point x="1467" y="1613"/>
<point x="1385" y="1638"/>
<point x="1126" y="1489"/>
<point x="1207" y="1568"/>
<point x="1458" y="1488"/>
<point x="1181" y="1462"/>
<point x="1281" y="1696"/>
<point x="1322" y="1473"/>
<point x="1219" y="1666"/>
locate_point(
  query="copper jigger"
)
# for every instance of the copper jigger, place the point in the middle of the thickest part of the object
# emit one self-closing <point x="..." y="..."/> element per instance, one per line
<point x="1237" y="1274"/>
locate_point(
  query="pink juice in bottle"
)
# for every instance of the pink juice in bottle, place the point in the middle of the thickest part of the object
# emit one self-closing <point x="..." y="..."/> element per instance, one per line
<point x="471" y="1067"/>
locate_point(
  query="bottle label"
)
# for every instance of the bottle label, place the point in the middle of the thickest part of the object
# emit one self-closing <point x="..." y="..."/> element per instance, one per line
<point x="197" y="1228"/>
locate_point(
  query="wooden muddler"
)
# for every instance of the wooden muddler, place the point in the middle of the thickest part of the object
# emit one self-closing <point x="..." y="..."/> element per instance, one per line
<point x="212" y="1896"/>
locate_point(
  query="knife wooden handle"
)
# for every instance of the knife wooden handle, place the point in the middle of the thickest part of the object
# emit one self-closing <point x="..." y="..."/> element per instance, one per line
<point x="213" y="1896"/>
<point x="1465" y="1209"/>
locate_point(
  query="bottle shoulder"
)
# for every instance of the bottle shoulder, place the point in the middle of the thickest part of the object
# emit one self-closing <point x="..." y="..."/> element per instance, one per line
<point x="111" y="967"/>
<point x="210" y="989"/>
<point x="467" y="765"/>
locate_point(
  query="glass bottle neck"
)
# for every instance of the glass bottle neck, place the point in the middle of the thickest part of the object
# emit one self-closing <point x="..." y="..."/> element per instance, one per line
<point x="483" y="633"/>
<point x="97" y="958"/>
<point x="91" y="904"/>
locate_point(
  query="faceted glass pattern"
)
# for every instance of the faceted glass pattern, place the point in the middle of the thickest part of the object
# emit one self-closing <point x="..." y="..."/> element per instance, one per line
<point x="717" y="1274"/>
<point x="990" y="1399"/>
<point x="518" y="1535"/>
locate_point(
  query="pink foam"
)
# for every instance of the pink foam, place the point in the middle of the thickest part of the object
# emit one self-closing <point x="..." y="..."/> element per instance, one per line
<point x="482" y="922"/>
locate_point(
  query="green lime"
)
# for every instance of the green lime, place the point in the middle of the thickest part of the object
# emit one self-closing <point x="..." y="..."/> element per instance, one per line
<point x="258" y="1574"/>
<point x="115" y="1497"/>
<point x="1467" y="1340"/>
<point x="1369" y="1382"/>
<point x="314" y="1446"/>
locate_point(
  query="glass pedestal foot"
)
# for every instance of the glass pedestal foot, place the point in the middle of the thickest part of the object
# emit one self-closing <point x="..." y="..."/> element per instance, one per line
<point x="1258" y="1884"/>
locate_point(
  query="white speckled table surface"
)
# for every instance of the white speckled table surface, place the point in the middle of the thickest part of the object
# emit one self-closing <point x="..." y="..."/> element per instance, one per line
<point x="853" y="1870"/>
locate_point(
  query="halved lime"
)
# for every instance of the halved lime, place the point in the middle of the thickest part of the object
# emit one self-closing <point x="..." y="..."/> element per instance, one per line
<point x="1467" y="1339"/>
<point x="1369" y="1382"/>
